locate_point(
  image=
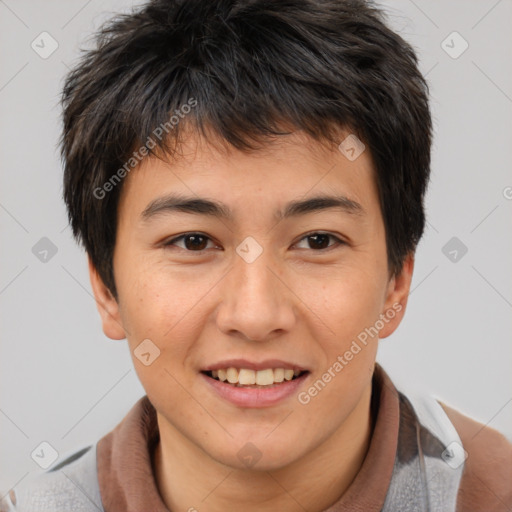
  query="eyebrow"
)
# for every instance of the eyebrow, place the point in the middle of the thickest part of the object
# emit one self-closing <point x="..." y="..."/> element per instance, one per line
<point x="203" y="206"/>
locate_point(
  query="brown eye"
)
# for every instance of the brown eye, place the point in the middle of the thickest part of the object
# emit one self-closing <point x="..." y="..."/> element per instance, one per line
<point x="193" y="242"/>
<point x="320" y="241"/>
<point x="197" y="242"/>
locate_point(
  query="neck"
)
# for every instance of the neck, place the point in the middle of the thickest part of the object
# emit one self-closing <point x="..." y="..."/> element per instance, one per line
<point x="189" y="479"/>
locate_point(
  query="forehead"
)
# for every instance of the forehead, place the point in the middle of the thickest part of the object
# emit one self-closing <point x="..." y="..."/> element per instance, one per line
<point x="289" y="168"/>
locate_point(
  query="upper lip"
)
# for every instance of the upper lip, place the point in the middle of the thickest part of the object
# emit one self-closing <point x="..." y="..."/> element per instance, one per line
<point x="253" y="365"/>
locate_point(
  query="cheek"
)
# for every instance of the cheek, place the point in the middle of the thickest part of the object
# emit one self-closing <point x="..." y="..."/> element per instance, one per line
<point x="155" y="309"/>
<point x="350" y="308"/>
<point x="350" y="303"/>
<point x="155" y="298"/>
<point x="166" y="305"/>
<point x="348" y="352"/>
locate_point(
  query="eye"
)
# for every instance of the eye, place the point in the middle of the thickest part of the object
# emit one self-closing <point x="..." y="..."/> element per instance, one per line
<point x="193" y="242"/>
<point x="197" y="242"/>
<point x="320" y="241"/>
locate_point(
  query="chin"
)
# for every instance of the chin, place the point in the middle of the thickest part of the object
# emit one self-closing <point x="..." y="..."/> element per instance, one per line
<point x="258" y="455"/>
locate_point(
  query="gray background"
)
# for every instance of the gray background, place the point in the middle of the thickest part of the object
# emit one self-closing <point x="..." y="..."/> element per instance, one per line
<point x="64" y="382"/>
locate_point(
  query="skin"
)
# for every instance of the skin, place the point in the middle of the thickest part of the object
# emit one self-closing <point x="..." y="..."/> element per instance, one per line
<point x="296" y="302"/>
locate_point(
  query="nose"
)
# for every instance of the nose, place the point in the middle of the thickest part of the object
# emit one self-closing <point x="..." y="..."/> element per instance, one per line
<point x="257" y="302"/>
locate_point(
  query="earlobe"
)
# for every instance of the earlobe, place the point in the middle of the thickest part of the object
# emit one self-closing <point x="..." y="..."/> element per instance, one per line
<point x="396" y="298"/>
<point x="107" y="305"/>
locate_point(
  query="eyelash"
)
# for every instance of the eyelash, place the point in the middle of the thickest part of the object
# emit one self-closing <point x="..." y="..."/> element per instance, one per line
<point x="338" y="241"/>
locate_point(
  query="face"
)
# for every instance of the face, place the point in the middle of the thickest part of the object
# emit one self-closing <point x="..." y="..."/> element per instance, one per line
<point x="256" y="276"/>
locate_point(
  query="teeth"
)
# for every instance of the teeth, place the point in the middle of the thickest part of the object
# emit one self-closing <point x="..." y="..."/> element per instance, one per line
<point x="246" y="377"/>
<point x="232" y="375"/>
<point x="288" y="374"/>
<point x="279" y="375"/>
<point x="265" y="377"/>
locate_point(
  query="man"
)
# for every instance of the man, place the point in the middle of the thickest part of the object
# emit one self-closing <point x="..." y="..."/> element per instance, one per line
<point x="247" y="178"/>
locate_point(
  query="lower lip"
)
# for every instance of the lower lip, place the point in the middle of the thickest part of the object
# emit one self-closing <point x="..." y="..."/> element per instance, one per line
<point x="255" y="397"/>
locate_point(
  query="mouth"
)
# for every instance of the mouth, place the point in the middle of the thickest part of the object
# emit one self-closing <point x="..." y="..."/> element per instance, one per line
<point x="259" y="379"/>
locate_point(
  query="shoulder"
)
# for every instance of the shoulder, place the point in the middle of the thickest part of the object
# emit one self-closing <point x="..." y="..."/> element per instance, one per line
<point x="486" y="484"/>
<point x="70" y="485"/>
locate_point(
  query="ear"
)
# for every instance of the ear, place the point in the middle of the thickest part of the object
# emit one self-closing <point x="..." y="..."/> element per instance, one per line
<point x="107" y="305"/>
<point x="396" y="298"/>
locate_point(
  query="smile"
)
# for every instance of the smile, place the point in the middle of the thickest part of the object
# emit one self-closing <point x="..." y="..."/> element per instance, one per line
<point x="245" y="377"/>
<point x="266" y="384"/>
